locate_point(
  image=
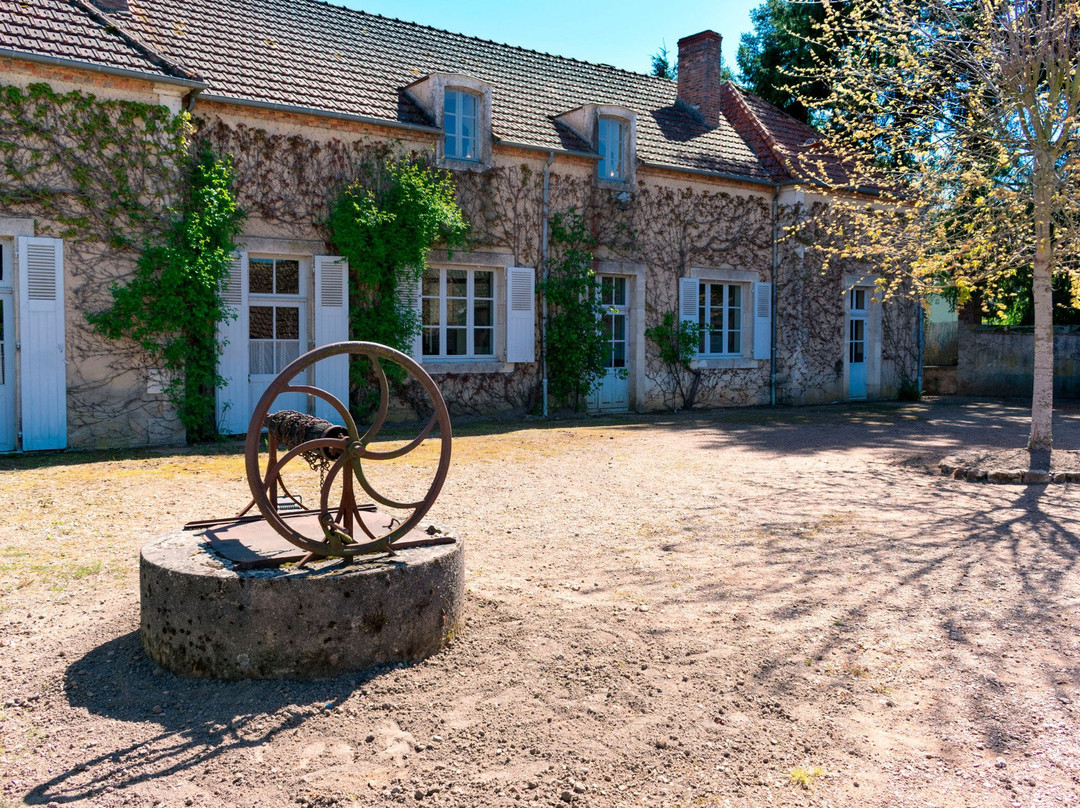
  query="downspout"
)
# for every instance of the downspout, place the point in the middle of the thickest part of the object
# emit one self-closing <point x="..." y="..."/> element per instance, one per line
<point x="544" y="277"/>
<point x="772" y="293"/>
<point x="189" y="104"/>
<point x="919" y="347"/>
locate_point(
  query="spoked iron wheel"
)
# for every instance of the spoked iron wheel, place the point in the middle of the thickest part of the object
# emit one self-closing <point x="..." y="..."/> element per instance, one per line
<point x="344" y="532"/>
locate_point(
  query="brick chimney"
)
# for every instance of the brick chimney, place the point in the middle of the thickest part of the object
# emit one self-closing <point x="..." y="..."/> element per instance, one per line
<point x="699" y="74"/>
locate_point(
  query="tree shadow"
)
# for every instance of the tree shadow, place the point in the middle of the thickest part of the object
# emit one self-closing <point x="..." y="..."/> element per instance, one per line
<point x="1009" y="568"/>
<point x="198" y="719"/>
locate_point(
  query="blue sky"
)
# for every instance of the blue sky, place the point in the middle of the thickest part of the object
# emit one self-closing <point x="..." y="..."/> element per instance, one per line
<point x="624" y="34"/>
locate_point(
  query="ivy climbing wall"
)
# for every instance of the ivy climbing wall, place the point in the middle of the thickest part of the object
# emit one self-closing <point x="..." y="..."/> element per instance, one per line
<point x="99" y="173"/>
<point x="102" y="173"/>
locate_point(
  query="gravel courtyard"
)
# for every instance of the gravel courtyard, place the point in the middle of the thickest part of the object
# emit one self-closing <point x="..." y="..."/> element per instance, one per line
<point x="744" y="608"/>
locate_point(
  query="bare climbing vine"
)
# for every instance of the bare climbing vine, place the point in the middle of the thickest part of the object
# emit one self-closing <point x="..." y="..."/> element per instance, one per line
<point x="101" y="174"/>
<point x="70" y="184"/>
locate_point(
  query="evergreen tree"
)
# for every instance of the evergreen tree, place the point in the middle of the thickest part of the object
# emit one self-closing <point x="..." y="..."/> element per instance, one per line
<point x="771" y="56"/>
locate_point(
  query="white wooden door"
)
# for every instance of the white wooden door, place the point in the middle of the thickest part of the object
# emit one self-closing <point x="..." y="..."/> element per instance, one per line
<point x="7" y="348"/>
<point x="613" y="393"/>
<point x="856" y="341"/>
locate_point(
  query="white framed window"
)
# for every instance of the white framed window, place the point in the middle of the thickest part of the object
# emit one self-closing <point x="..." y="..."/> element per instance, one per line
<point x="274" y="338"/>
<point x="461" y="116"/>
<point x="458" y="313"/>
<point x="720" y="318"/>
<point x="611" y="140"/>
<point x="276" y="314"/>
<point x="274" y="276"/>
<point x="613" y="297"/>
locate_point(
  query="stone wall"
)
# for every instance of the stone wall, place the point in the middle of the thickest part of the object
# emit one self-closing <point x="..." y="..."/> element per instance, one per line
<point x="674" y="225"/>
<point x="112" y="388"/>
<point x="992" y="362"/>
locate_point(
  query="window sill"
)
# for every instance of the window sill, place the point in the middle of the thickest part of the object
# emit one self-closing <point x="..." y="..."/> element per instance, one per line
<point x="625" y="184"/>
<point x="439" y="366"/>
<point x="459" y="164"/>
<point x="730" y="363"/>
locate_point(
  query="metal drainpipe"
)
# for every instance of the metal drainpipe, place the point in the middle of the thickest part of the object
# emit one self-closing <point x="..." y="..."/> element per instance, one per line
<point x="544" y="275"/>
<point x="189" y="106"/>
<point x="772" y="294"/>
<point x="919" y="346"/>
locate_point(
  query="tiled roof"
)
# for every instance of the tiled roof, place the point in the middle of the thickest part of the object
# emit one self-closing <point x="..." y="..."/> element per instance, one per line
<point x="71" y="29"/>
<point x="786" y="147"/>
<point x="315" y="55"/>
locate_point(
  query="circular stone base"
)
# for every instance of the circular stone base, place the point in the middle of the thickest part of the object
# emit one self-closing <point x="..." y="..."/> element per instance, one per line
<point x="1012" y="466"/>
<point x="201" y="617"/>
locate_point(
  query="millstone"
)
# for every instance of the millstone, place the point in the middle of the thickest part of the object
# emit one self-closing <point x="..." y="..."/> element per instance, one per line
<point x="202" y="617"/>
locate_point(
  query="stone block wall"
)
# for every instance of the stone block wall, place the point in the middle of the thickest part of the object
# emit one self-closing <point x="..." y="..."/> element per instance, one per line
<point x="992" y="362"/>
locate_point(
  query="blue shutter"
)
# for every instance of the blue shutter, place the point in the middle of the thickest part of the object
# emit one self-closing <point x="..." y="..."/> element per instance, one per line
<point x="762" y="320"/>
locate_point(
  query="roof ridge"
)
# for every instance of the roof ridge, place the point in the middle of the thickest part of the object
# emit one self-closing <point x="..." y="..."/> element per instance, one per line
<point x="361" y="12"/>
<point x="773" y="106"/>
<point x="174" y="68"/>
<point x="738" y="94"/>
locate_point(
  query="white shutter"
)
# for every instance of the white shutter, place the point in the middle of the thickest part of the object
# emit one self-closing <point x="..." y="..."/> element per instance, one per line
<point x="409" y="298"/>
<point x="688" y="299"/>
<point x="233" y="407"/>
<point x="43" y="378"/>
<point x="332" y="325"/>
<point x="520" y="314"/>
<point x="762" y="320"/>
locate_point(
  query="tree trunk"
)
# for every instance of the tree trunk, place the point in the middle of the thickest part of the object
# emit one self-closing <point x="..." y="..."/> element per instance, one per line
<point x="1042" y="397"/>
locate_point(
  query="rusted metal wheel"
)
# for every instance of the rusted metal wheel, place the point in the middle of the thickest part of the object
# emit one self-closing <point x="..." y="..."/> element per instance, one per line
<point x="344" y="532"/>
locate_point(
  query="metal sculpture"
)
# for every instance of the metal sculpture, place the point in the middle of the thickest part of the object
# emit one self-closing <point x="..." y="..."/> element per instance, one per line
<point x="345" y="527"/>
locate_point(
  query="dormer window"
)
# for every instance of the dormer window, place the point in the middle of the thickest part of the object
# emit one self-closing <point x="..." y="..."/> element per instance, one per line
<point x="460" y="122"/>
<point x="611" y="143"/>
<point x="461" y="107"/>
<point x="611" y="131"/>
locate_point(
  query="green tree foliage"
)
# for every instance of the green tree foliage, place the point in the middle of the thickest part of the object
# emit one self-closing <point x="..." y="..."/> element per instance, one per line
<point x="676" y="341"/>
<point x="575" y="335"/>
<point x="386" y="223"/>
<point x="981" y="99"/>
<point x="172" y="306"/>
<point x="663" y="67"/>
<point x="771" y="56"/>
<point x="1012" y="304"/>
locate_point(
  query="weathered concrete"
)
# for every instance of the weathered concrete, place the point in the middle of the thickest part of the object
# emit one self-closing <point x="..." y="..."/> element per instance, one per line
<point x="939" y="380"/>
<point x="199" y="617"/>
<point x="1000" y="363"/>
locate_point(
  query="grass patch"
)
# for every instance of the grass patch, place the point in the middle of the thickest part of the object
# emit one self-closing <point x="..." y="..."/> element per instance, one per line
<point x="804" y="778"/>
<point x="80" y="571"/>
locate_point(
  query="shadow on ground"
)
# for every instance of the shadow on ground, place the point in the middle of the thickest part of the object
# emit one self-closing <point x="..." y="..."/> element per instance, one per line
<point x="117" y="681"/>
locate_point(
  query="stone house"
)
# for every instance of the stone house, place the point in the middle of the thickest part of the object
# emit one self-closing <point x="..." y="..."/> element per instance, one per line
<point x="687" y="187"/>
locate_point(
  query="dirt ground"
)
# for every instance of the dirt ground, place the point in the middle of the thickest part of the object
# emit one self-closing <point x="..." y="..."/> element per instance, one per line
<point x="745" y="608"/>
